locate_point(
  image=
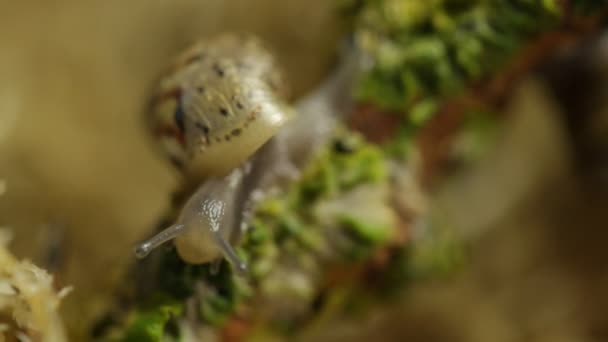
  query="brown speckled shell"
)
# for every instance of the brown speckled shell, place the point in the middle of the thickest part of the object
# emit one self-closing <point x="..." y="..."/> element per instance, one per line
<point x="221" y="85"/>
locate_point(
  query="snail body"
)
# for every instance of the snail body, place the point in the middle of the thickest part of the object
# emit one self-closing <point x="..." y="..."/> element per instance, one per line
<point x="206" y="223"/>
<point x="221" y="101"/>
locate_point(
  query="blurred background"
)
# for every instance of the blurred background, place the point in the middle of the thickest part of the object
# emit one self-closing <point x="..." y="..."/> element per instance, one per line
<point x="83" y="183"/>
<point x="77" y="162"/>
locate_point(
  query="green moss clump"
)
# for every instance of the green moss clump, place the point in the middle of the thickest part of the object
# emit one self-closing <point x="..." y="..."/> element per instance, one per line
<point x="335" y="214"/>
<point x="149" y="325"/>
<point x="223" y="289"/>
<point x="302" y="216"/>
<point x="428" y="49"/>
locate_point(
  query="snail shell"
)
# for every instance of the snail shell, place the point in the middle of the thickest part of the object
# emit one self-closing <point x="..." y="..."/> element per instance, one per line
<point x="220" y="102"/>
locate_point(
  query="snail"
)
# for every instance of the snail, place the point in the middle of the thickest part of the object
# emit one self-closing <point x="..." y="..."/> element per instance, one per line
<point x="217" y="106"/>
<point x="222" y="117"/>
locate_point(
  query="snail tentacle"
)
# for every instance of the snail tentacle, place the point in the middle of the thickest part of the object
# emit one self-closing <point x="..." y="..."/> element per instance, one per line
<point x="230" y="253"/>
<point x="143" y="249"/>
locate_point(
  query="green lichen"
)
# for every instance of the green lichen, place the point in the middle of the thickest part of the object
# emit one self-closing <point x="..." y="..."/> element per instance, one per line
<point x="149" y="325"/>
<point x="345" y="164"/>
<point x="217" y="289"/>
<point x="221" y="290"/>
<point x="429" y="49"/>
<point x="308" y="224"/>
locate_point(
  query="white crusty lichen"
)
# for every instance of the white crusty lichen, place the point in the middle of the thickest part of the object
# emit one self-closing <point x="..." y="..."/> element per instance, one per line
<point x="28" y="301"/>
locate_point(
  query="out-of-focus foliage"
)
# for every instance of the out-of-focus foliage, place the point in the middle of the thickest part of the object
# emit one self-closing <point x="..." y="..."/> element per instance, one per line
<point x="423" y="50"/>
<point x="479" y="132"/>
<point x="588" y="7"/>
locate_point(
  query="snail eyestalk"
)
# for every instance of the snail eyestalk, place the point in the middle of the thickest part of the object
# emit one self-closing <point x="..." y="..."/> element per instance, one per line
<point x="144" y="248"/>
<point x="230" y="254"/>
